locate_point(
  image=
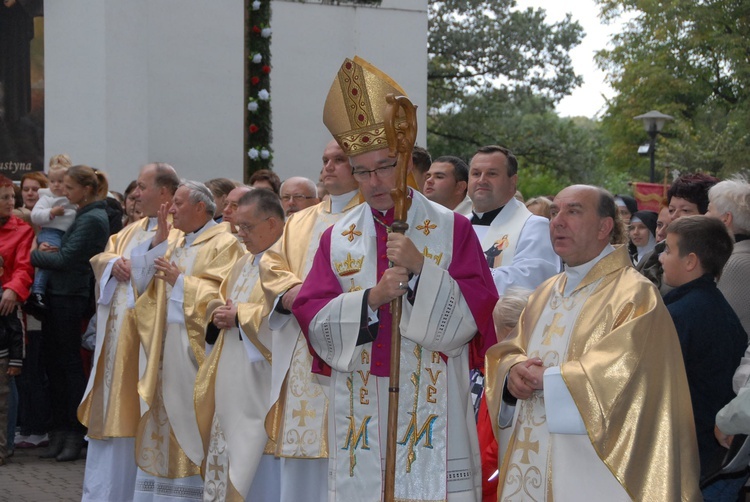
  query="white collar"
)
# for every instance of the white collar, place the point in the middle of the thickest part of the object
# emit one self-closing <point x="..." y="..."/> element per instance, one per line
<point x="576" y="274"/>
<point x="339" y="202"/>
<point x="190" y="238"/>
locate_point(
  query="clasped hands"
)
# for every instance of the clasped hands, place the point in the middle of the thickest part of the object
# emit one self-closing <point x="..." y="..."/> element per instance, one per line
<point x="224" y="317"/>
<point x="526" y="377"/>
<point x="406" y="259"/>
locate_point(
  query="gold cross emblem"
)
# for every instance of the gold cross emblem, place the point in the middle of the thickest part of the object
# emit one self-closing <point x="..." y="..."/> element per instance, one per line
<point x="216" y="468"/>
<point x="526" y="445"/>
<point x="553" y="329"/>
<point x="351" y="233"/>
<point x="155" y="436"/>
<point x="426" y="227"/>
<point x="303" y="413"/>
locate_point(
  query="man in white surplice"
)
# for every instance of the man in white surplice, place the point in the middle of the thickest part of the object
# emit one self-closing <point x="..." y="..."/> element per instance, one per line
<point x="177" y="274"/>
<point x="110" y="407"/>
<point x="515" y="242"/>
<point x="233" y="387"/>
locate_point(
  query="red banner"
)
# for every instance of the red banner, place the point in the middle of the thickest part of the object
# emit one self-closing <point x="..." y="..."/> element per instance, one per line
<point x="650" y="196"/>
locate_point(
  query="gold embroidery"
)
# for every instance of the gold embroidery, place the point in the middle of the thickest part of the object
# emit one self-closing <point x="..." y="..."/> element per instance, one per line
<point x="365" y="357"/>
<point x="363" y="393"/>
<point x="430" y="256"/>
<point x="350" y="266"/>
<point x="365" y="378"/>
<point x="354" y="287"/>
<point x="436" y="357"/>
<point x="431" y="391"/>
<point x="352" y="232"/>
<point x="526" y="445"/>
<point x="553" y="329"/>
<point x="433" y="376"/>
<point x="215" y="468"/>
<point x="303" y="413"/>
<point x="426" y="227"/>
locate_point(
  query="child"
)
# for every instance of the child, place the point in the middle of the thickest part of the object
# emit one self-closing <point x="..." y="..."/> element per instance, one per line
<point x="54" y="214"/>
<point x="11" y="361"/>
<point x="711" y="336"/>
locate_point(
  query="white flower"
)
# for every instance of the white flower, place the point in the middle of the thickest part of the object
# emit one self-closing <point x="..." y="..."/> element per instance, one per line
<point x="263" y="95"/>
<point x="265" y="32"/>
<point x="256" y="5"/>
<point x="257" y="58"/>
<point x="253" y="153"/>
<point x="264" y="154"/>
<point x="252" y="106"/>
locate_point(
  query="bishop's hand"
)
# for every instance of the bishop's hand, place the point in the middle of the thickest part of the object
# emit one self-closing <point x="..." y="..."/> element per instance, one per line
<point x="394" y="283"/>
<point x="401" y="251"/>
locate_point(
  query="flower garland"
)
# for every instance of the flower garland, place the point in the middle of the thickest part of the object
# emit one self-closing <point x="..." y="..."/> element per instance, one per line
<point x="258" y="83"/>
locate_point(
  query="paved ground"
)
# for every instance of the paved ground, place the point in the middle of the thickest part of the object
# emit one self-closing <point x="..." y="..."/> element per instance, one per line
<point x="28" y="478"/>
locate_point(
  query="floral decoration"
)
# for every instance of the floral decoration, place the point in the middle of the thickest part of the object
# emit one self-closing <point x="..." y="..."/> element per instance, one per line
<point x="258" y="95"/>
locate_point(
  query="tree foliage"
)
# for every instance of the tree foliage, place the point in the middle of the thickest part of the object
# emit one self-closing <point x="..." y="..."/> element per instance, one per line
<point x="494" y="76"/>
<point x="687" y="59"/>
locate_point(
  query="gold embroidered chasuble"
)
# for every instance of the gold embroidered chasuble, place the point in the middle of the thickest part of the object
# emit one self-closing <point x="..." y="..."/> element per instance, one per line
<point x="622" y="345"/>
<point x="110" y="406"/>
<point x="232" y="390"/>
<point x="168" y="443"/>
<point x="298" y="420"/>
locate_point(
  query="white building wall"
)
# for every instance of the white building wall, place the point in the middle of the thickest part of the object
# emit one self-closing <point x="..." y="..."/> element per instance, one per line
<point x="128" y="82"/>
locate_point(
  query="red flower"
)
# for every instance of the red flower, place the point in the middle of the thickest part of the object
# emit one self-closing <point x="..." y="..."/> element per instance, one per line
<point x="254" y="80"/>
<point x="256" y="30"/>
<point x="266" y="69"/>
<point x="253" y="128"/>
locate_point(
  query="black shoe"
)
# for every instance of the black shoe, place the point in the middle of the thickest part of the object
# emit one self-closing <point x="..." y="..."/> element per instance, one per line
<point x="56" y="443"/>
<point x="72" y="447"/>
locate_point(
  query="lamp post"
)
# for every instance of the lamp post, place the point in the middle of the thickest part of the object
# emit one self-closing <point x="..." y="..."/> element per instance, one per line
<point x="653" y="122"/>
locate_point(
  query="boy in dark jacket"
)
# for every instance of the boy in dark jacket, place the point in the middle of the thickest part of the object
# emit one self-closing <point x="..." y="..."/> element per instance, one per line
<point x="11" y="360"/>
<point x="711" y="336"/>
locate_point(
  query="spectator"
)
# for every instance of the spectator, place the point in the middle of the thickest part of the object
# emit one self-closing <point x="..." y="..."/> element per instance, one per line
<point x="642" y="233"/>
<point x="539" y="206"/>
<point x="662" y="222"/>
<point x="69" y="293"/>
<point x="220" y="188"/>
<point x="11" y="361"/>
<point x="710" y="334"/>
<point x="132" y="208"/>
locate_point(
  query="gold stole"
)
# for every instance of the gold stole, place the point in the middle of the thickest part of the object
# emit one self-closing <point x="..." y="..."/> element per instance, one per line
<point x="110" y="405"/>
<point x="361" y="398"/>
<point x="526" y="463"/>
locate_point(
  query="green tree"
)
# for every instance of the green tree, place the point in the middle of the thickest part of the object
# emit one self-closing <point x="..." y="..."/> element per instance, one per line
<point x="494" y="76"/>
<point x="690" y="60"/>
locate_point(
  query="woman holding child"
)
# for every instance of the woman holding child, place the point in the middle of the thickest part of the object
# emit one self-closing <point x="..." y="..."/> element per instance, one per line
<point x="69" y="296"/>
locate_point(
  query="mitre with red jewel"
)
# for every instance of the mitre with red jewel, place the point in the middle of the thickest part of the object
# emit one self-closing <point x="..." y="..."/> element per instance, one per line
<point x="354" y="112"/>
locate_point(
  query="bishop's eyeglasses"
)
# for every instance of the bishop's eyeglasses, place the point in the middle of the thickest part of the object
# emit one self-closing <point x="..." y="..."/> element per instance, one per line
<point x="363" y="175"/>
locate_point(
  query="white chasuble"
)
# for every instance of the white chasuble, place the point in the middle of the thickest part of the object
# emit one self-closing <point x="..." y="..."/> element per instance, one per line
<point x="500" y="239"/>
<point x="538" y="459"/>
<point x="428" y="467"/>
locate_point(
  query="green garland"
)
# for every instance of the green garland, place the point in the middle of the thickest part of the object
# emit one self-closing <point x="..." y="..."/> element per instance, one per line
<point x="258" y="86"/>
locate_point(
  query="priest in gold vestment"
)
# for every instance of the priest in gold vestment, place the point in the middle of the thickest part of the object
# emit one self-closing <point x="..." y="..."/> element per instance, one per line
<point x="592" y="382"/>
<point x="110" y="407"/>
<point x="233" y="387"/>
<point x="178" y="277"/>
<point x="298" y="420"/>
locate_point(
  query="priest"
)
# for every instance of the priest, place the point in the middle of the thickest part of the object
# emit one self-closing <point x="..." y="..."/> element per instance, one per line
<point x="110" y="407"/>
<point x="178" y="277"/>
<point x="575" y="381"/>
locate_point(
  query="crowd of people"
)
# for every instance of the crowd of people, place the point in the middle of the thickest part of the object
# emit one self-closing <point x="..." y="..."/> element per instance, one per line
<point x="570" y="346"/>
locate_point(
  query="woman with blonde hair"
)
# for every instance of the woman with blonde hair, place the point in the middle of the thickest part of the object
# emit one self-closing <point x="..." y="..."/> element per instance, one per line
<point x="70" y="294"/>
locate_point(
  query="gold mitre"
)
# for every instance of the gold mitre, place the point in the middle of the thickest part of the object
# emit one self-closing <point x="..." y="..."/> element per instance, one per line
<point x="354" y="112"/>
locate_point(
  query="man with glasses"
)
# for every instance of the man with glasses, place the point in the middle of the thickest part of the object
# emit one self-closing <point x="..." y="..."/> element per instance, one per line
<point x="344" y="308"/>
<point x="234" y="383"/>
<point x="300" y="396"/>
<point x="231" y="204"/>
<point x="298" y="193"/>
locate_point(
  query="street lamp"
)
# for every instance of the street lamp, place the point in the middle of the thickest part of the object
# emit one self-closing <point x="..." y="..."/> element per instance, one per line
<point x="653" y="122"/>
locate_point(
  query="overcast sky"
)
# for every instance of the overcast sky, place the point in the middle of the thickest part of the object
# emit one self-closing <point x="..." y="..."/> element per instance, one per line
<point x="588" y="99"/>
